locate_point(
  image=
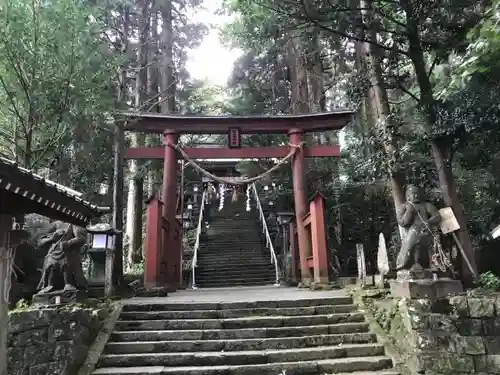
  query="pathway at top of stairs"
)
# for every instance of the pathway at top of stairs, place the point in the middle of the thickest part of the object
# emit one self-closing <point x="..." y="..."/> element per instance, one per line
<point x="243" y="331"/>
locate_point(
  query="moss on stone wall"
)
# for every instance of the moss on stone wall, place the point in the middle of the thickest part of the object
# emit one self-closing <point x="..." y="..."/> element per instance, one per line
<point x="456" y="335"/>
<point x="52" y="340"/>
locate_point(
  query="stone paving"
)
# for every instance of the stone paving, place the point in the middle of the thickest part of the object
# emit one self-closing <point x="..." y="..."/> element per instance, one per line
<point x="258" y="330"/>
<point x="238" y="294"/>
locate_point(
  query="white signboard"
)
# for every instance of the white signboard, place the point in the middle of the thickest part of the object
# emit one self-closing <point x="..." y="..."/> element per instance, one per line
<point x="361" y="264"/>
<point x="449" y="222"/>
<point x="496" y="232"/>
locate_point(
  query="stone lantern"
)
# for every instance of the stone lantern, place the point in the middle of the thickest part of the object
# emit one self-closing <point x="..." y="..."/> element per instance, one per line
<point x="103" y="246"/>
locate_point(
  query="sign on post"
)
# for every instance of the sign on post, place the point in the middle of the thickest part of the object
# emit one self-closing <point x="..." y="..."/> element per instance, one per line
<point x="449" y="222"/>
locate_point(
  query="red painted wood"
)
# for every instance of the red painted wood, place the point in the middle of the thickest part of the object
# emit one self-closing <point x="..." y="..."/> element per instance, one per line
<point x="169" y="196"/>
<point x="299" y="192"/>
<point x="307" y="219"/>
<point x="294" y="248"/>
<point x="152" y="272"/>
<point x="156" y="123"/>
<point x="318" y="238"/>
<point x="233" y="153"/>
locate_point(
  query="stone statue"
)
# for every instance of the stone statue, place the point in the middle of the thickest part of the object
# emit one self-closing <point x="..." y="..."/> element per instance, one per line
<point x="418" y="218"/>
<point x="62" y="268"/>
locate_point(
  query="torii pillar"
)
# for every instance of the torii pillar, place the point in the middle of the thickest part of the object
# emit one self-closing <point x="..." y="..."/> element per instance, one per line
<point x="171" y="251"/>
<point x="301" y="207"/>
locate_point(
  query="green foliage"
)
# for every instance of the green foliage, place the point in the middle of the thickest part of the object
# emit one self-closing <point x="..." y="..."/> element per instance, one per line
<point x="22" y="305"/>
<point x="55" y="77"/>
<point x="488" y="281"/>
<point x="136" y="269"/>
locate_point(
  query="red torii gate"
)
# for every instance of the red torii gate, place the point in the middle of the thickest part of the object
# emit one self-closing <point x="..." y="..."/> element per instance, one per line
<point x="172" y="126"/>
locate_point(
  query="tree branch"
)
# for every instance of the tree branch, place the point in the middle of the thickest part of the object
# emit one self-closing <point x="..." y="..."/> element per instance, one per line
<point x="315" y="22"/>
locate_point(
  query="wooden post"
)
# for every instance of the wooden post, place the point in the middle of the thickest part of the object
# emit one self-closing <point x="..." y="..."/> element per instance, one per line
<point x="293" y="249"/>
<point x="109" y="288"/>
<point x="360" y="252"/>
<point x="152" y="261"/>
<point x="4" y="314"/>
<point x="117" y="221"/>
<point x="318" y="238"/>
<point x="299" y="193"/>
<point x="5" y="226"/>
<point x="169" y="255"/>
<point x="169" y="196"/>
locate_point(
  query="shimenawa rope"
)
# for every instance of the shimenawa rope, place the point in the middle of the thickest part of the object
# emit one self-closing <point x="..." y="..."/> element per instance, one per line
<point x="230" y="181"/>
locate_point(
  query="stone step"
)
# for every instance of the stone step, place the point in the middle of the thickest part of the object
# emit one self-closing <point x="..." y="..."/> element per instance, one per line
<point x="382" y="372"/>
<point x="261" y="258"/>
<point x="235" y="258"/>
<point x="214" y="249"/>
<point x="222" y="276"/>
<point x="131" y="347"/>
<point x="218" y="250"/>
<point x="241" y="357"/>
<point x="232" y="266"/>
<point x="210" y="271"/>
<point x="261" y="261"/>
<point x="235" y="283"/>
<point x="234" y="334"/>
<point x="238" y="323"/>
<point x="251" y="267"/>
<point x="272" y="304"/>
<point x="339" y="365"/>
<point x="237" y="313"/>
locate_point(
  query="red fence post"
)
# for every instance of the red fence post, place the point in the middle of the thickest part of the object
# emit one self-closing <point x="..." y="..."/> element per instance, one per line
<point x="318" y="237"/>
<point x="153" y="251"/>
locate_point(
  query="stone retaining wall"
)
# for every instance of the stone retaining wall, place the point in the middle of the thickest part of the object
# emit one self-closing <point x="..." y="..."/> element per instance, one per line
<point x="456" y="335"/>
<point x="52" y="341"/>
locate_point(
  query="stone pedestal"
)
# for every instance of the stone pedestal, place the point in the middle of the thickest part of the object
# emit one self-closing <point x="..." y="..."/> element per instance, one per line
<point x="418" y="283"/>
<point x="51" y="298"/>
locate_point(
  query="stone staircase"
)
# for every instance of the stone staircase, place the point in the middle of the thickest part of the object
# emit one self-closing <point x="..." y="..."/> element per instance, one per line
<point x="303" y="336"/>
<point x="233" y="252"/>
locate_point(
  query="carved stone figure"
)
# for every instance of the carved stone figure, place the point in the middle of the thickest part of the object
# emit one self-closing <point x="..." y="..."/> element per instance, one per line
<point x="62" y="269"/>
<point x="418" y="218"/>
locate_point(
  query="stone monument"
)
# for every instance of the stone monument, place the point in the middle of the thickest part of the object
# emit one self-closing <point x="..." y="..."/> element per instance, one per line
<point x="62" y="278"/>
<point x="415" y="270"/>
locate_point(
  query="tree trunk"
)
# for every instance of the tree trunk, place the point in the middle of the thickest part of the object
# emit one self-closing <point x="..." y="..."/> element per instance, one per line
<point x="439" y="148"/>
<point x="378" y="104"/>
<point x="299" y="101"/>
<point x="153" y="140"/>
<point x="135" y="183"/>
<point x="317" y="83"/>
<point x="119" y="144"/>
<point x="168" y="84"/>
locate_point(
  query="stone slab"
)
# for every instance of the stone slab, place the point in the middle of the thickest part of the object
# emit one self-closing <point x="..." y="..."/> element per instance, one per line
<point x="50" y="299"/>
<point x="338" y="365"/>
<point x="420" y="289"/>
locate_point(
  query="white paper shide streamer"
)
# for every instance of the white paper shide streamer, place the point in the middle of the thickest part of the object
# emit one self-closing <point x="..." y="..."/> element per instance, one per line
<point x="222" y="191"/>
<point x="248" y="198"/>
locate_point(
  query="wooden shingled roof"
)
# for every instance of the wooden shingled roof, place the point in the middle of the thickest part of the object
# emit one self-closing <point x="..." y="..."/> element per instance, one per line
<point x="23" y="192"/>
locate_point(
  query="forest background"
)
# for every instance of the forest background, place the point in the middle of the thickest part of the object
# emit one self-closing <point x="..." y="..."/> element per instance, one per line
<point x="422" y="77"/>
